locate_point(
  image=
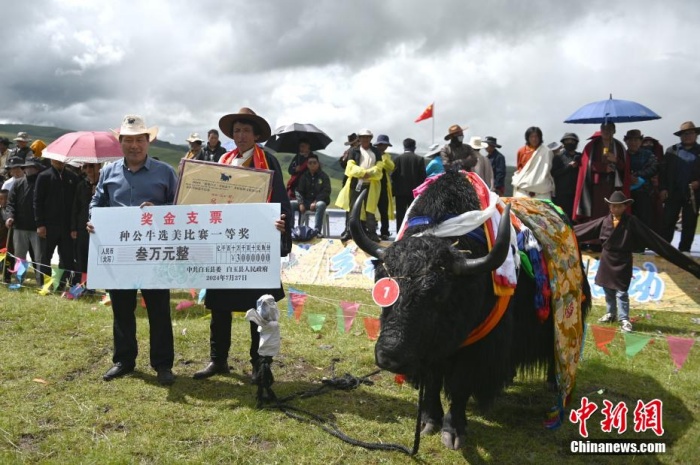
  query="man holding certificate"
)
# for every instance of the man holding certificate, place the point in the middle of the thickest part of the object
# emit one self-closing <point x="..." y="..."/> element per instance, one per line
<point x="247" y="130"/>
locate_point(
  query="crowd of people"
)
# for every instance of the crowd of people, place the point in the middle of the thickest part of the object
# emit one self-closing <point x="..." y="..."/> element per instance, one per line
<point x="45" y="204"/>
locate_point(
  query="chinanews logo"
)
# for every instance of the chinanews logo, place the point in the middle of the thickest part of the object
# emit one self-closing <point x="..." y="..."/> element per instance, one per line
<point x="646" y="416"/>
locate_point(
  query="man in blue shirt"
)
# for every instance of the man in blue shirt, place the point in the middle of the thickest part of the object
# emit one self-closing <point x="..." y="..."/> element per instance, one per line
<point x="138" y="180"/>
<point x="679" y="185"/>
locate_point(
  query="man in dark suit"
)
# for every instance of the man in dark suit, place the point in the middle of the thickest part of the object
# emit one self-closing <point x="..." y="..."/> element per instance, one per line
<point x="408" y="174"/>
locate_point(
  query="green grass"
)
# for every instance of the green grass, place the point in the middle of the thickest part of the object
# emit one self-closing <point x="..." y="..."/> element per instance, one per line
<point x="56" y="408"/>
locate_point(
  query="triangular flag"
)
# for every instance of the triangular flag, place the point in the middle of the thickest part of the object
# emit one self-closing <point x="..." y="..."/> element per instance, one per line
<point x="83" y="278"/>
<point x="603" y="336"/>
<point x="202" y="294"/>
<point x="143" y="302"/>
<point x="427" y="113"/>
<point x="18" y="263"/>
<point x="106" y="300"/>
<point x="298" y="301"/>
<point x="290" y="304"/>
<point x="21" y="269"/>
<point x="184" y="304"/>
<point x="679" y="348"/>
<point x="349" y="312"/>
<point x="45" y="288"/>
<point x="56" y="275"/>
<point x="340" y="320"/>
<point x="634" y="343"/>
<point x="372" y="328"/>
<point x="316" y="320"/>
<point x="193" y="293"/>
<point x="2" y="256"/>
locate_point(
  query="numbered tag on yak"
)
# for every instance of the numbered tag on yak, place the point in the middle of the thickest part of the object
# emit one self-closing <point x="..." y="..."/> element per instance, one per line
<point x="385" y="292"/>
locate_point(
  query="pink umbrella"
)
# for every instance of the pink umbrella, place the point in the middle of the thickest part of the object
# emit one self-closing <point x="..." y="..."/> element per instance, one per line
<point x="84" y="147"/>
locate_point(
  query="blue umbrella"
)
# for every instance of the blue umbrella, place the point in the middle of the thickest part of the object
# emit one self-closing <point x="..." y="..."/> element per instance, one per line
<point x="613" y="111"/>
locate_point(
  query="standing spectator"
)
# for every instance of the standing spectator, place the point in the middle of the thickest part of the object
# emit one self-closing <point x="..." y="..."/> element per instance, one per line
<point x="4" y="237"/>
<point x="385" y="204"/>
<point x="456" y="150"/>
<point x="22" y="149"/>
<point x="621" y="234"/>
<point x="657" y="205"/>
<point x="4" y="156"/>
<point x="364" y="172"/>
<point x="213" y="150"/>
<point x="195" y="152"/>
<point x="20" y="216"/>
<point x="14" y="169"/>
<point x="532" y="177"/>
<point x="80" y="214"/>
<point x="565" y="172"/>
<point x="313" y="193"/>
<point x="246" y="129"/>
<point x="642" y="168"/>
<point x="138" y="180"/>
<point x="353" y="141"/>
<point x="53" y="203"/>
<point x="408" y="174"/>
<point x="483" y="166"/>
<point x="604" y="169"/>
<point x="679" y="184"/>
<point x="297" y="166"/>
<point x="434" y="166"/>
<point x="498" y="165"/>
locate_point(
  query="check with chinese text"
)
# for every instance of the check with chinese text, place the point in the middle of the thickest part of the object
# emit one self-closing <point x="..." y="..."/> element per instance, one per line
<point x="185" y="246"/>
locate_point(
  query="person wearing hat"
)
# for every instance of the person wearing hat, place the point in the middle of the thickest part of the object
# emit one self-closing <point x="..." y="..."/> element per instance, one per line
<point x="80" y="213"/>
<point x="364" y="171"/>
<point x="483" y="166"/>
<point x="53" y="205"/>
<point x="679" y="185"/>
<point x="604" y="168"/>
<point x="247" y="130"/>
<point x="22" y="149"/>
<point x="456" y="150"/>
<point x="352" y="142"/>
<point x="434" y="166"/>
<point x="498" y="164"/>
<point x="532" y="177"/>
<point x="565" y="172"/>
<point x="15" y="171"/>
<point x="409" y="173"/>
<point x="20" y="215"/>
<point x="643" y="167"/>
<point x="619" y="234"/>
<point x="385" y="204"/>
<point x="213" y="150"/>
<point x="138" y="180"/>
<point x="657" y="205"/>
<point x="195" y="152"/>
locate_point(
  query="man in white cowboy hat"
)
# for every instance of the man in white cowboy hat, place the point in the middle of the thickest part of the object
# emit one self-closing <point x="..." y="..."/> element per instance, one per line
<point x="456" y="150"/>
<point x="22" y="149"/>
<point x="498" y="164"/>
<point x="364" y="172"/>
<point x="138" y="180"/>
<point x="679" y="185"/>
<point x="483" y="166"/>
<point x="195" y="147"/>
<point x="247" y="130"/>
<point x="620" y="234"/>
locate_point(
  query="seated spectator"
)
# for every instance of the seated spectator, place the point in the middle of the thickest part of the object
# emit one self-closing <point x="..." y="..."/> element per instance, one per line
<point x="313" y="192"/>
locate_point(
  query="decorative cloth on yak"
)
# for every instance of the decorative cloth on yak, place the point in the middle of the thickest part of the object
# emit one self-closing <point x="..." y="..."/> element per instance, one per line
<point x="560" y="249"/>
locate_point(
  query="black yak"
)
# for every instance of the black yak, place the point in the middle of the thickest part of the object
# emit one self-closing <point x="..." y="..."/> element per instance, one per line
<point x="446" y="290"/>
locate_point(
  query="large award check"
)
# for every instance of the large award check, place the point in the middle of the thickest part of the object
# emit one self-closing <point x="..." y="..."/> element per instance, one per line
<point x="202" y="182"/>
<point x="185" y="246"/>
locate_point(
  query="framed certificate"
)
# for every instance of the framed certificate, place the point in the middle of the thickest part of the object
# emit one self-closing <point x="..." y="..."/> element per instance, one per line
<point x="205" y="183"/>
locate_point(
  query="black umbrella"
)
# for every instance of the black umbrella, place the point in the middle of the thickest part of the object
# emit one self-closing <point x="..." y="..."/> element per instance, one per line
<point x="287" y="138"/>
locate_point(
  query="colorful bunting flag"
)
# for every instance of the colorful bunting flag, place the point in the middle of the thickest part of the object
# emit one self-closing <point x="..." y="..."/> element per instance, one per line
<point x="372" y="328"/>
<point x="202" y="294"/>
<point x="634" y="342"/>
<point x="340" y="319"/>
<point x="297" y="301"/>
<point x="316" y="320"/>
<point x="679" y="348"/>
<point x="349" y="312"/>
<point x="603" y="336"/>
<point x="56" y="275"/>
<point x="45" y="288"/>
<point x="143" y="302"/>
<point x="83" y="278"/>
<point x="193" y="293"/>
<point x="184" y="304"/>
<point x="290" y="304"/>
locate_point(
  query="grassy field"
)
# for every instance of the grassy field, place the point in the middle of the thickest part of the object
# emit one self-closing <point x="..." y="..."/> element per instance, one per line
<point x="56" y="408"/>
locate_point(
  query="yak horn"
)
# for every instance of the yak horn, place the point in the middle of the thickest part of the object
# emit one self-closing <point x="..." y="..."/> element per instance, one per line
<point x="495" y="257"/>
<point x="358" y="232"/>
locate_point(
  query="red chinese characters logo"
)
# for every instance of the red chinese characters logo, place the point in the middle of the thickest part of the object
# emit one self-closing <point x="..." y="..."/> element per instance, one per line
<point x="192" y="218"/>
<point x="169" y="218"/>
<point x="615" y="417"/>
<point x="582" y="415"/>
<point x="647" y="416"/>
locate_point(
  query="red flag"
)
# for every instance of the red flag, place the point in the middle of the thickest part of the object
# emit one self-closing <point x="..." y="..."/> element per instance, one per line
<point x="427" y="113"/>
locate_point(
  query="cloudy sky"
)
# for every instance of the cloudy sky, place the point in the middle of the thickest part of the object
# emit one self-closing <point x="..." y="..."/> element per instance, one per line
<point x="498" y="66"/>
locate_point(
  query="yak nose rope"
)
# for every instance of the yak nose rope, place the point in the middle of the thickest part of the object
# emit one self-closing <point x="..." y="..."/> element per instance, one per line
<point x="347" y="382"/>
